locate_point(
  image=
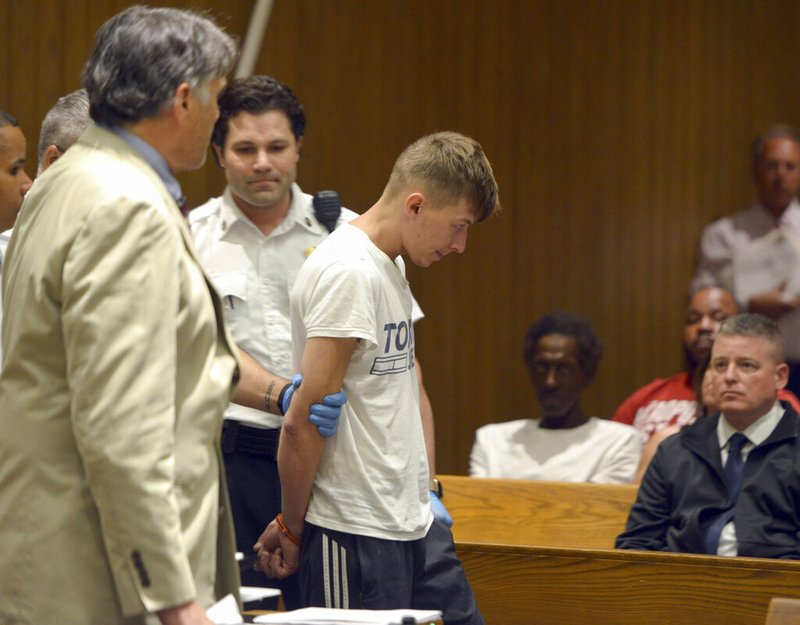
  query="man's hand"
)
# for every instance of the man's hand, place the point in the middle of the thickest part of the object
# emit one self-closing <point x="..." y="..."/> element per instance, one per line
<point x="440" y="513"/>
<point x="188" y="614"/>
<point x="774" y="303"/>
<point x="277" y="555"/>
<point x="325" y="415"/>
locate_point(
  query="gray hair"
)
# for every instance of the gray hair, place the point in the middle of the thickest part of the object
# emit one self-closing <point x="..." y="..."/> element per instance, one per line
<point x="143" y="54"/>
<point x="757" y="326"/>
<point x="64" y="123"/>
<point x="779" y="131"/>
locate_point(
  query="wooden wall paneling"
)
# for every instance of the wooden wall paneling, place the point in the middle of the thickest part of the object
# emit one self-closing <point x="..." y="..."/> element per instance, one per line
<point x="617" y="130"/>
<point x="5" y="58"/>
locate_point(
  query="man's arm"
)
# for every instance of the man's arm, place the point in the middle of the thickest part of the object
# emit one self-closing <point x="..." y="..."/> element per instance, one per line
<point x="478" y="459"/>
<point x="325" y="362"/>
<point x="650" y="515"/>
<point x="258" y="388"/>
<point x="621" y="460"/>
<point x="426" y="413"/>
<point x="428" y="430"/>
<point x="774" y="303"/>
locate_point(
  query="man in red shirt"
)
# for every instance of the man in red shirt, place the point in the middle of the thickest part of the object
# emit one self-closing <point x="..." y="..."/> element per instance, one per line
<point x="665" y="405"/>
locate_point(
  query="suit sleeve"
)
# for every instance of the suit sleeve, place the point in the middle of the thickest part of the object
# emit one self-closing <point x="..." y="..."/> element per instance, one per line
<point x="650" y="515"/>
<point x="119" y="319"/>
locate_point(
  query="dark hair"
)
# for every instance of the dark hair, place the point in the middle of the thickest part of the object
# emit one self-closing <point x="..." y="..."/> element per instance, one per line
<point x="6" y="119"/>
<point x="143" y="54"/>
<point x="590" y="349"/>
<point x="779" y="131"/>
<point x="256" y="95"/>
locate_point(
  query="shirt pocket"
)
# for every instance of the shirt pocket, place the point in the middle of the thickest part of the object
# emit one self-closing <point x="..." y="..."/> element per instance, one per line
<point x="232" y="289"/>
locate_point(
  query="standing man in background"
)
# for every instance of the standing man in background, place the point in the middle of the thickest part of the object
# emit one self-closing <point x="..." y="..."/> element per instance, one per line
<point x="117" y="367"/>
<point x="252" y="241"/>
<point x="62" y="126"/>
<point x="732" y="240"/>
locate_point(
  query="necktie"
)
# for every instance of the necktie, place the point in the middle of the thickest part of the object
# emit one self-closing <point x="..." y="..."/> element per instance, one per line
<point x="733" y="477"/>
<point x="183" y="205"/>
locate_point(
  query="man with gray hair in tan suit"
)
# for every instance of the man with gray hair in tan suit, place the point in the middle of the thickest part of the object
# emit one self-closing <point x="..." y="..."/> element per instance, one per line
<point x="117" y="368"/>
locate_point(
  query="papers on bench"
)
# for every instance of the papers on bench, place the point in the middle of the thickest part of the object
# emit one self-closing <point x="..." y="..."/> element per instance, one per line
<point x="335" y="616"/>
<point x="226" y="610"/>
<point x="256" y="593"/>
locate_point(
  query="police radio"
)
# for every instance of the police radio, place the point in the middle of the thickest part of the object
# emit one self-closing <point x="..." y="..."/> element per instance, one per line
<point x="327" y="208"/>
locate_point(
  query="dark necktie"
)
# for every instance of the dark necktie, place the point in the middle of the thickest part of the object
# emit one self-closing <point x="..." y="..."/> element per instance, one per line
<point x="733" y="478"/>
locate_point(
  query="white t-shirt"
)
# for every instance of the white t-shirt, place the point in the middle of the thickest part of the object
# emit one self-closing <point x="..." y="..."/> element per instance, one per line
<point x="253" y="275"/>
<point x="373" y="477"/>
<point x="600" y="451"/>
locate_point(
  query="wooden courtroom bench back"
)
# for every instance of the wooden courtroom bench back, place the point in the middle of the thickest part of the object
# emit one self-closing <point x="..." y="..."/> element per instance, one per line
<point x="530" y="512"/>
<point x="549" y="586"/>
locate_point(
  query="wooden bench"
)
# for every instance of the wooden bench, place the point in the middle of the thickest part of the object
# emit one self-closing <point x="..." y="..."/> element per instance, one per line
<point x="530" y="512"/>
<point x="551" y="586"/>
<point x="783" y="611"/>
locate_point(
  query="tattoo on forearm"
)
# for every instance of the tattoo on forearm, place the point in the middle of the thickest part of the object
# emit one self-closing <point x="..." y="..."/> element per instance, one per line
<point x="268" y="396"/>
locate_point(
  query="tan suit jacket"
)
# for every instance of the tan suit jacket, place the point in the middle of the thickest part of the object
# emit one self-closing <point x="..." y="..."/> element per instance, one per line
<point x="116" y="372"/>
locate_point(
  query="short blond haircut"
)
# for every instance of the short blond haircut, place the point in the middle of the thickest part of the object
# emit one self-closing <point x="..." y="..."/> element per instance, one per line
<point x="450" y="167"/>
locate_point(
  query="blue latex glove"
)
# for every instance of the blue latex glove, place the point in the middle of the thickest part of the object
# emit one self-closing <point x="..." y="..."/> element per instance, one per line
<point x="440" y="513"/>
<point x="325" y="415"/>
<point x="287" y="396"/>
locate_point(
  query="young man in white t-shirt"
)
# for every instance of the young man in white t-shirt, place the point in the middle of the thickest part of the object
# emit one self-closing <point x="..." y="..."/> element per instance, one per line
<point x="356" y="514"/>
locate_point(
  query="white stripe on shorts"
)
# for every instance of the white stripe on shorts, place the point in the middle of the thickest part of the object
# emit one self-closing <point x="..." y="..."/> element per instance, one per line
<point x="334" y="574"/>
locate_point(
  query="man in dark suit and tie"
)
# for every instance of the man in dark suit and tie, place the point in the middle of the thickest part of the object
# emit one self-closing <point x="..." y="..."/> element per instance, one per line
<point x="729" y="484"/>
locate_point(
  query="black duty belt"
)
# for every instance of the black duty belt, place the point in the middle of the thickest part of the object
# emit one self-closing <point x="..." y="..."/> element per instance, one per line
<point x="238" y="437"/>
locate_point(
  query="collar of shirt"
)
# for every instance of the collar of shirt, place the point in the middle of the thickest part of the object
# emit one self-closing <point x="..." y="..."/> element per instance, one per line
<point x="790" y="218"/>
<point x="300" y="213"/>
<point x="153" y="158"/>
<point x="756" y="432"/>
<point x="4" y="237"/>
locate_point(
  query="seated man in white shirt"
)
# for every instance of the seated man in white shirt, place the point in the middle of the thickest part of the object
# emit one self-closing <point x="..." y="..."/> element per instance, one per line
<point x="562" y="352"/>
<point x="729" y="484"/>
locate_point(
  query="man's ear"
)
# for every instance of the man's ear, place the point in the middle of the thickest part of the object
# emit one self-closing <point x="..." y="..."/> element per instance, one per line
<point x="50" y="156"/>
<point x="588" y="376"/>
<point x="182" y="99"/>
<point x="413" y="203"/>
<point x="781" y="376"/>
<point x="299" y="148"/>
<point x="219" y="155"/>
